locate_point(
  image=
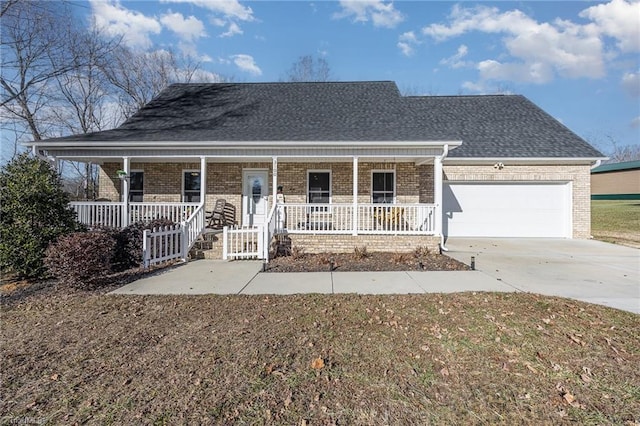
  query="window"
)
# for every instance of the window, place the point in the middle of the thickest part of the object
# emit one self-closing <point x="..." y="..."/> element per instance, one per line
<point x="191" y="186"/>
<point x="383" y="187"/>
<point x="319" y="187"/>
<point x="136" y="186"/>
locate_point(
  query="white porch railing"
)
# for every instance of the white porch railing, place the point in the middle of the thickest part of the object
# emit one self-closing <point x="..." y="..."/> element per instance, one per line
<point x="175" y="212"/>
<point x="192" y="228"/>
<point x="411" y="219"/>
<point x="97" y="213"/>
<point x="243" y="242"/>
<point x="162" y="245"/>
<point x="110" y="214"/>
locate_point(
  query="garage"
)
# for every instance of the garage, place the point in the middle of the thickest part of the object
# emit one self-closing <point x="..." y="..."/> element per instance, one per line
<point x="507" y="209"/>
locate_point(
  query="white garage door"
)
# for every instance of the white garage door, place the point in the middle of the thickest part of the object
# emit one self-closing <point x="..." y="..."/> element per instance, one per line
<point x="507" y="209"/>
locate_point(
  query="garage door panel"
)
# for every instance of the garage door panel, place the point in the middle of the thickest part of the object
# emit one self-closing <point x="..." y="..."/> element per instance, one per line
<point x="506" y="209"/>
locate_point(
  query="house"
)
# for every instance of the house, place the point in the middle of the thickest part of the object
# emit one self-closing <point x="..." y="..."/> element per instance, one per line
<point x="359" y="164"/>
<point x="616" y="181"/>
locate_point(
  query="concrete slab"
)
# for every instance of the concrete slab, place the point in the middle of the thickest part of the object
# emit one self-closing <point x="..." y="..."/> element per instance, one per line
<point x="289" y="283"/>
<point x="198" y="277"/>
<point x="587" y="270"/>
<point x="457" y="281"/>
<point x="375" y="283"/>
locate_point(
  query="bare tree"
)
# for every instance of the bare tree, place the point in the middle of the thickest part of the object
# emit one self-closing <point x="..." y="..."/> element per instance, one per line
<point x="620" y="153"/>
<point x="306" y="68"/>
<point x="140" y="76"/>
<point x="35" y="50"/>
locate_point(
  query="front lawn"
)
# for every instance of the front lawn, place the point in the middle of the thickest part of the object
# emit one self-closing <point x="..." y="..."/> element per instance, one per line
<point x="616" y="221"/>
<point x="470" y="358"/>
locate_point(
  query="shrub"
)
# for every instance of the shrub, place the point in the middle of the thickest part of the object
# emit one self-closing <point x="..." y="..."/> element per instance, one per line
<point x="361" y="253"/>
<point x="400" y="258"/>
<point x="421" y="252"/>
<point x="82" y="259"/>
<point x="128" y="251"/>
<point x="34" y="211"/>
<point x="297" y="252"/>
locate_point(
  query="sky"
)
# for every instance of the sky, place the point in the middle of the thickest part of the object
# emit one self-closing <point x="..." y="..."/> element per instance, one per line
<point x="578" y="60"/>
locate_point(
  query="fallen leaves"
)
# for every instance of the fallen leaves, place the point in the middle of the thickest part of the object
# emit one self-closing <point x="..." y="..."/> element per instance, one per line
<point x="317" y="363"/>
<point x="567" y="397"/>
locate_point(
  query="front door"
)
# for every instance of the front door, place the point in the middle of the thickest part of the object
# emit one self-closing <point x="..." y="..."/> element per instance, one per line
<point x="255" y="193"/>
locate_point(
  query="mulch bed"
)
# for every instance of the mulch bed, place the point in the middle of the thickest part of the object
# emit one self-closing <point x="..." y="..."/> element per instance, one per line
<point x="369" y="261"/>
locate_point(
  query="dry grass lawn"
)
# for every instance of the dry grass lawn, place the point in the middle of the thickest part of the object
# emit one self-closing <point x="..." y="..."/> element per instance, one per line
<point x="616" y="221"/>
<point x="482" y="358"/>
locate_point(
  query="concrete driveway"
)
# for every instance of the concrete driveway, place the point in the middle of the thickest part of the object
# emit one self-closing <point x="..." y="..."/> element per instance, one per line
<point x="587" y="270"/>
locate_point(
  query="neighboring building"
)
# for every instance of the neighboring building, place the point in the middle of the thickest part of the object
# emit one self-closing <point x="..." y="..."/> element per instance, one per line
<point x="616" y="181"/>
<point x="359" y="163"/>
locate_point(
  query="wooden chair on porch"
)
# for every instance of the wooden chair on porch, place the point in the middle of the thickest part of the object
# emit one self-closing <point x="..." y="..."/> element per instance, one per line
<point x="216" y="218"/>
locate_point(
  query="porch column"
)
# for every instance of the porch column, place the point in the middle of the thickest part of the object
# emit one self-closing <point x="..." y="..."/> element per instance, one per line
<point x="355" y="197"/>
<point x="125" y="191"/>
<point x="274" y="178"/>
<point x="203" y="181"/>
<point x="437" y="193"/>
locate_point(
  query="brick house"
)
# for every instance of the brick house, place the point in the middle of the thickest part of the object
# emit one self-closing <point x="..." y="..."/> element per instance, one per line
<point x="358" y="163"/>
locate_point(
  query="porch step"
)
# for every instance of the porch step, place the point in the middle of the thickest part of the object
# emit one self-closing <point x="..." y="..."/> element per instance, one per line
<point x="208" y="246"/>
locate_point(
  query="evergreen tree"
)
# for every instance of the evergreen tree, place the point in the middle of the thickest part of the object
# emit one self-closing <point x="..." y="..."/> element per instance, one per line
<point x="34" y="211"/>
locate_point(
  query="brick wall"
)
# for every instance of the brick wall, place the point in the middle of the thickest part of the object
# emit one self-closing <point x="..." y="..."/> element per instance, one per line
<point x="579" y="175"/>
<point x="163" y="181"/>
<point x="374" y="243"/>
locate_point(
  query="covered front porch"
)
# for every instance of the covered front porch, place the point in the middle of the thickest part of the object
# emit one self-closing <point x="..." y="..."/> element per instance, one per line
<point x="305" y="191"/>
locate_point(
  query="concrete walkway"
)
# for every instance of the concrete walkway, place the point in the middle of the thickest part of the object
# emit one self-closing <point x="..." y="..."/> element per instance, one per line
<point x="590" y="271"/>
<point x="244" y="277"/>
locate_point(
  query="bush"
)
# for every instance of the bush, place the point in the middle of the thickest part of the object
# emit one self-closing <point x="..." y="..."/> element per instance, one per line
<point x="82" y="259"/>
<point x="34" y="211"/>
<point x="361" y="253"/>
<point x="128" y="252"/>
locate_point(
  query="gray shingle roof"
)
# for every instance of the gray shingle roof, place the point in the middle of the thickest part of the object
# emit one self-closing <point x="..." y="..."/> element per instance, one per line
<point x="489" y="126"/>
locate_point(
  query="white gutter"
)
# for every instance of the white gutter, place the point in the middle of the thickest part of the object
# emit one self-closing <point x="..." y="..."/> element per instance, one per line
<point x="238" y="144"/>
<point x="596" y="164"/>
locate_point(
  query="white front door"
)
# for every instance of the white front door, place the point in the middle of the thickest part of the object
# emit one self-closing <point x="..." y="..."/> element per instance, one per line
<point x="255" y="193"/>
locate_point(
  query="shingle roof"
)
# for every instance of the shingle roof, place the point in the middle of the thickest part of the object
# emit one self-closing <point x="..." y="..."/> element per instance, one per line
<point x="489" y="126"/>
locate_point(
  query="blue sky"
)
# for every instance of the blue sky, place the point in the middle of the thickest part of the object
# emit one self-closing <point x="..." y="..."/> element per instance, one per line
<point x="578" y="60"/>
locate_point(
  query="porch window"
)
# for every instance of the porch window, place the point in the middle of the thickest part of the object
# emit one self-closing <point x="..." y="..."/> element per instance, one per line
<point x="319" y="187"/>
<point x="136" y="186"/>
<point x="191" y="186"/>
<point x="383" y="187"/>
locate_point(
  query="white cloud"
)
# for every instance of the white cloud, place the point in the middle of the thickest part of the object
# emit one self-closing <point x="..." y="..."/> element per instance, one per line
<point x="377" y="11"/>
<point x="134" y="27"/>
<point x="231" y="9"/>
<point x="631" y="83"/>
<point x="246" y="63"/>
<point x="407" y="42"/>
<point x="635" y="122"/>
<point x="456" y="61"/>
<point x="187" y="29"/>
<point x="618" y="19"/>
<point x="228" y="13"/>
<point x="538" y="50"/>
<point x="234" y="29"/>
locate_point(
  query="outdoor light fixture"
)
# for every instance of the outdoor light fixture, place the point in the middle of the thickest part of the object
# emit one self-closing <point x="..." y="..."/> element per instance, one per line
<point x="498" y="166"/>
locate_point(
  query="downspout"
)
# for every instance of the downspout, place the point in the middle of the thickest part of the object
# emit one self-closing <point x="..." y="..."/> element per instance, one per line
<point x="445" y="152"/>
<point x="596" y="164"/>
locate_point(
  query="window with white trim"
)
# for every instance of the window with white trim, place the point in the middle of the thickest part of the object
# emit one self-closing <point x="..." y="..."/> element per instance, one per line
<point x="319" y="187"/>
<point x="191" y="186"/>
<point x="136" y="186"/>
<point x="383" y="186"/>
